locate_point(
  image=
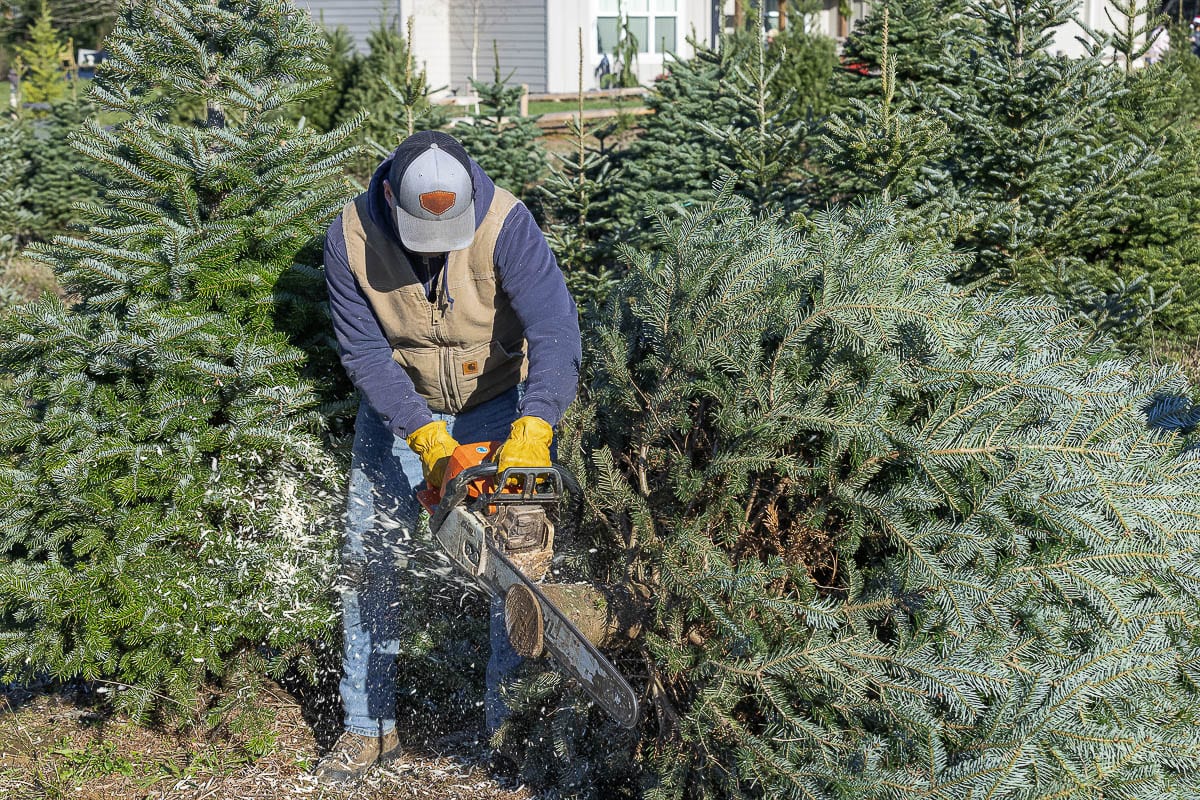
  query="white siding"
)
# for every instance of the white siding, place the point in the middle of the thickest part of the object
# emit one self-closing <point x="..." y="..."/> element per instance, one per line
<point x="431" y="39"/>
<point x="1092" y="13"/>
<point x="518" y="28"/>
<point x="358" y="17"/>
<point x="564" y="22"/>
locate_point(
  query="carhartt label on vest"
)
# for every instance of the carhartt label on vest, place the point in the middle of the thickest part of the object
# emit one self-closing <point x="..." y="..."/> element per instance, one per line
<point x="470" y="368"/>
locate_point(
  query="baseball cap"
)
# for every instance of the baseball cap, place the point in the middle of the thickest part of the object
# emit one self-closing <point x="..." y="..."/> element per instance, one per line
<point x="435" y="196"/>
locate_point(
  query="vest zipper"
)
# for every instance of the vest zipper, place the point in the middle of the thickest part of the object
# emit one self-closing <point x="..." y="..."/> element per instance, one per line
<point x="444" y="360"/>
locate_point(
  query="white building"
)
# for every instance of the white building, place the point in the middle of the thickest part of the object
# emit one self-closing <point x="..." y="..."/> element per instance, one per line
<point x="538" y="40"/>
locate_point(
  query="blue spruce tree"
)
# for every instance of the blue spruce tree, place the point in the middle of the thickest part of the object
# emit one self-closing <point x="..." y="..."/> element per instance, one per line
<point x="902" y="540"/>
<point x="162" y="475"/>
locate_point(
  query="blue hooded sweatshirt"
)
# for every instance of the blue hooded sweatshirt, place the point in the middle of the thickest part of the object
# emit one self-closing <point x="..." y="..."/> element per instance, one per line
<point x="529" y="276"/>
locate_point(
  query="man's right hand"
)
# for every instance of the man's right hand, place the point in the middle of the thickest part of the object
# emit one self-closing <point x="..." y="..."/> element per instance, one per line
<point x="434" y="444"/>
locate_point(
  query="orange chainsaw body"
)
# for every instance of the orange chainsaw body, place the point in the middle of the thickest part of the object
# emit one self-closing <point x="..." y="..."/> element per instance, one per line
<point x="463" y="457"/>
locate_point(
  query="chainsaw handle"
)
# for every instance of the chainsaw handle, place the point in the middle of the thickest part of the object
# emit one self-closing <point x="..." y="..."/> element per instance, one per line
<point x="456" y="491"/>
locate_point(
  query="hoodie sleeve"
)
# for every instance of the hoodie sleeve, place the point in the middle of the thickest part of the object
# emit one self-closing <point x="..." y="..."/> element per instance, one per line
<point x="533" y="282"/>
<point x="363" y="347"/>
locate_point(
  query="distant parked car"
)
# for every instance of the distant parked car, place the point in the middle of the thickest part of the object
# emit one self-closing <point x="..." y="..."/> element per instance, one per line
<point x="86" y="61"/>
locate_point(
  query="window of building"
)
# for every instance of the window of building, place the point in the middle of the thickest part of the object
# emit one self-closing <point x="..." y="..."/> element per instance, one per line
<point x="654" y="23"/>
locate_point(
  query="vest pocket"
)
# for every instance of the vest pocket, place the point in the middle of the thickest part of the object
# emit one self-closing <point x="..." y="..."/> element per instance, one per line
<point x="485" y="371"/>
<point x="423" y="365"/>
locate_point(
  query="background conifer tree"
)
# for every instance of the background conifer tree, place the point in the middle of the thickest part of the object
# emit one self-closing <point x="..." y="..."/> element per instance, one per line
<point x="162" y="479"/>
<point x="807" y="61"/>
<point x="1136" y="24"/>
<point x="576" y="199"/>
<point x="85" y="22"/>
<point x="15" y="221"/>
<point x="507" y="145"/>
<point x="328" y="109"/>
<point x="877" y="146"/>
<point x="624" y="73"/>
<point x="714" y="115"/>
<point x="43" y="81"/>
<point x="1180" y="60"/>
<point x="57" y="179"/>
<point x="1157" y="249"/>
<point x="407" y="110"/>
<point x="389" y="68"/>
<point x="1051" y="166"/>
<point x="674" y="160"/>
<point x="762" y="145"/>
<point x="902" y="540"/>
<point x="922" y="36"/>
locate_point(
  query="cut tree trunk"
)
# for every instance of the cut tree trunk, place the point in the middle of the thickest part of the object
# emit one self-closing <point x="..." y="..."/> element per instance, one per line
<point x="608" y="616"/>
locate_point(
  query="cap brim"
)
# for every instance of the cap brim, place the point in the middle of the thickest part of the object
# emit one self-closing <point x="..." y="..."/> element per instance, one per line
<point x="436" y="235"/>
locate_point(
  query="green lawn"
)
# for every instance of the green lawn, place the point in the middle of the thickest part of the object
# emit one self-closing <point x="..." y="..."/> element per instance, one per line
<point x="551" y="106"/>
<point x="535" y="108"/>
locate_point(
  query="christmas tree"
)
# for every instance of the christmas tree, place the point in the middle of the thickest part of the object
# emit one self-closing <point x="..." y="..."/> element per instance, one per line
<point x="1054" y="174"/>
<point x="714" y="115"/>
<point x="922" y="36"/>
<point x="901" y="540"/>
<point x="15" y="221"/>
<point x="877" y="147"/>
<point x="506" y="144"/>
<point x="389" y="68"/>
<point x="328" y="109"/>
<point x="895" y="56"/>
<point x="162" y="476"/>
<point x="1181" y="61"/>
<point x="43" y="81"/>
<point x="763" y="145"/>
<point x="625" y="56"/>
<point x="806" y="64"/>
<point x="576" y="201"/>
<point x="674" y="160"/>
<point x="1158" y="246"/>
<point x="56" y="179"/>
<point x="1136" y="25"/>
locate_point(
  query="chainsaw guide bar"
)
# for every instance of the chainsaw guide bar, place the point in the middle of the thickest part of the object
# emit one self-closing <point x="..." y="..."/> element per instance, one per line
<point x="466" y="533"/>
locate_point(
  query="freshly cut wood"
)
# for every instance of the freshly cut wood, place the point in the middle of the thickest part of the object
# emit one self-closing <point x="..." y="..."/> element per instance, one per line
<point x="608" y="616"/>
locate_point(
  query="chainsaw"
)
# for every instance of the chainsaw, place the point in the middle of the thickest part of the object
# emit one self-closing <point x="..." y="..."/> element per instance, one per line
<point x="499" y="529"/>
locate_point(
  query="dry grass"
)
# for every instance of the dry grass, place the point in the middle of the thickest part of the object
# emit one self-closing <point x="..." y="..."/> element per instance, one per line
<point x="1185" y="354"/>
<point x="28" y="279"/>
<point x="64" y="744"/>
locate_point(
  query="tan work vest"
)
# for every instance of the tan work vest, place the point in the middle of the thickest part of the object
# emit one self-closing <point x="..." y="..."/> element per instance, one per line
<point x="457" y="356"/>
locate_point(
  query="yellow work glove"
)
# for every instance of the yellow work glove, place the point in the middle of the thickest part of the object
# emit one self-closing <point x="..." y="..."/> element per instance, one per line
<point x="528" y="445"/>
<point x="434" y="444"/>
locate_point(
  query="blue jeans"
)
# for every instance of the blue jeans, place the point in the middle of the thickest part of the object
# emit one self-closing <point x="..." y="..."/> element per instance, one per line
<point x="381" y="520"/>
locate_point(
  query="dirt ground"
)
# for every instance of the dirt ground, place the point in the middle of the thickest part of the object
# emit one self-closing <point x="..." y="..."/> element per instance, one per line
<point x="60" y="744"/>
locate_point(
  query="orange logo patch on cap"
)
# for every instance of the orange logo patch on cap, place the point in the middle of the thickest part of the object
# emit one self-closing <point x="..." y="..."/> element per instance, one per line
<point x="437" y="202"/>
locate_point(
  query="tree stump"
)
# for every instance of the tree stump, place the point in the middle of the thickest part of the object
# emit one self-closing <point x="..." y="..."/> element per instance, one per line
<point x="608" y="616"/>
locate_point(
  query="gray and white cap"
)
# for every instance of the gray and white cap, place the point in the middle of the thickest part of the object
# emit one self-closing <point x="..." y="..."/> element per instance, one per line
<point x="435" y="197"/>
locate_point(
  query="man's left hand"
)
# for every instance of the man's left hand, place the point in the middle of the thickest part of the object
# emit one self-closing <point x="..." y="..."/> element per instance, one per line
<point x="528" y="445"/>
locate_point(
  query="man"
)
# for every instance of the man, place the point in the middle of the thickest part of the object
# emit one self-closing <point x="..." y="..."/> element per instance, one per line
<point x="454" y="322"/>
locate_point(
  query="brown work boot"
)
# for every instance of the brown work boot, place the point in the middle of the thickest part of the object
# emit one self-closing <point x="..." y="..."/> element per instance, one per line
<point x="352" y="755"/>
